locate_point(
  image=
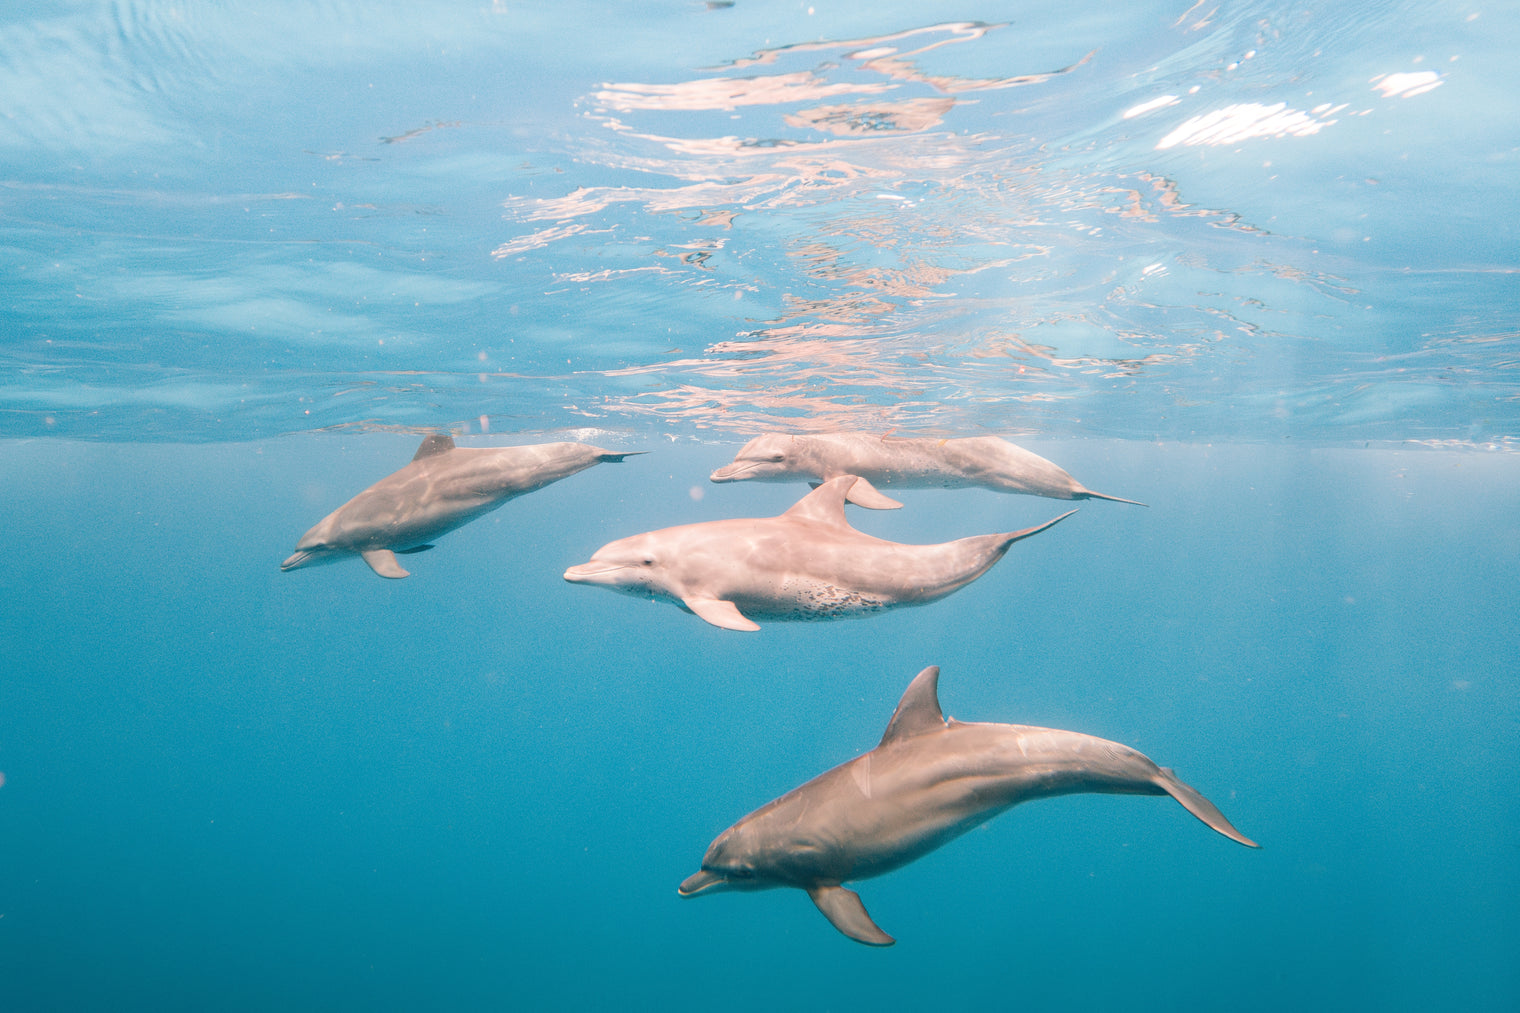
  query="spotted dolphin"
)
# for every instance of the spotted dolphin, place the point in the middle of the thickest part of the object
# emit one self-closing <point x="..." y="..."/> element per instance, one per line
<point x="927" y="782"/>
<point x="808" y="563"/>
<point x="905" y="462"/>
<point x="442" y="488"/>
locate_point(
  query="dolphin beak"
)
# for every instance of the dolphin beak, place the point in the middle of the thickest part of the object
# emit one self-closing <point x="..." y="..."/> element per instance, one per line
<point x="698" y="882"/>
<point x="299" y="559"/>
<point x="731" y="472"/>
<point x="588" y="573"/>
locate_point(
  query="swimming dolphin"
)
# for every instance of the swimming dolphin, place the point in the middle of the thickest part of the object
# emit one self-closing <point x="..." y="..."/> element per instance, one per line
<point x="907" y="462"/>
<point x="926" y="783"/>
<point x="808" y="563"/>
<point x="444" y="486"/>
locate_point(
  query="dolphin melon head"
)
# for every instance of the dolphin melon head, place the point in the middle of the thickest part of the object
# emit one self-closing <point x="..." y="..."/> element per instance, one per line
<point x="632" y="565"/>
<point x="316" y="547"/>
<point x="771" y="456"/>
<point x="732" y="862"/>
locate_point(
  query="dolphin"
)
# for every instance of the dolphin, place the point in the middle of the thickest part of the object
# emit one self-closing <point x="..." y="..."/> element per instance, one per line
<point x="442" y="488"/>
<point x="927" y="782"/>
<point x="808" y="563"/>
<point x="904" y="461"/>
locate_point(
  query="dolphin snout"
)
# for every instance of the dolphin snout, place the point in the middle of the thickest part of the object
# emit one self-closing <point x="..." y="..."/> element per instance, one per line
<point x="700" y="881"/>
<point x="299" y="559"/>
<point x="733" y="472"/>
<point x="588" y="573"/>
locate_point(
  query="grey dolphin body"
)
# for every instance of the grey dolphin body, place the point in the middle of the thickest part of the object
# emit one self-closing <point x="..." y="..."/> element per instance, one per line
<point x="927" y="782"/>
<point x="906" y="462"/>
<point x="808" y="563"/>
<point x="442" y="488"/>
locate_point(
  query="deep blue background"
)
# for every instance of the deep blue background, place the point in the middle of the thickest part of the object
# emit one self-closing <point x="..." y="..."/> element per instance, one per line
<point x="230" y="787"/>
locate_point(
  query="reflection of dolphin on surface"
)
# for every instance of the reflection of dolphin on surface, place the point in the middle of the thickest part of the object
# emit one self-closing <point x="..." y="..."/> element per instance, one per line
<point x="927" y="782"/>
<point x="807" y="563"/>
<point x="904" y="461"/>
<point x="444" y="487"/>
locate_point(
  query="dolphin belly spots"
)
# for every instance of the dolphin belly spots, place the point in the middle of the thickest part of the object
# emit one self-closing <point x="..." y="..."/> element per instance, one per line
<point x="816" y="600"/>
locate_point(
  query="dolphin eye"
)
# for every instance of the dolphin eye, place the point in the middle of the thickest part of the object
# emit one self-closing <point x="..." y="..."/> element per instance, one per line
<point x="739" y="872"/>
<point x="648" y="560"/>
<point x="778" y="458"/>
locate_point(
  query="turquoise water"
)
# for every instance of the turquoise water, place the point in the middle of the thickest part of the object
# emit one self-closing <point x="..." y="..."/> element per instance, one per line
<point x="1254" y="266"/>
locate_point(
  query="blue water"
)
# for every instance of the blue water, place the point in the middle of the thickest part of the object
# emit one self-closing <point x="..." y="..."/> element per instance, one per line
<point x="250" y="253"/>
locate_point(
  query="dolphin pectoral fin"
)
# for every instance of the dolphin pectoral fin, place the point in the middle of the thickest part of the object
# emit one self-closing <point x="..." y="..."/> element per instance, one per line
<point x="846" y="913"/>
<point x="432" y="445"/>
<point x="724" y="614"/>
<point x="1201" y="807"/>
<point x="383" y="562"/>
<point x="863" y="493"/>
<point x="415" y="548"/>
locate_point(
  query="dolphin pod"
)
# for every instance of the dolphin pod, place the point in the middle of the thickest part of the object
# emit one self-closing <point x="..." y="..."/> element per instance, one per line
<point x="808" y="563"/>
<point x="927" y="782"/>
<point x="906" y="462"/>
<point x="442" y="488"/>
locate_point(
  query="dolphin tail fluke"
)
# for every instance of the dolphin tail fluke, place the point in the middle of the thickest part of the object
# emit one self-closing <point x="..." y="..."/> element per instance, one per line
<point x="1014" y="536"/>
<point x="1201" y="807"/>
<point x="1089" y="494"/>
<point x="607" y="457"/>
<point x="846" y="913"/>
<point x="383" y="562"/>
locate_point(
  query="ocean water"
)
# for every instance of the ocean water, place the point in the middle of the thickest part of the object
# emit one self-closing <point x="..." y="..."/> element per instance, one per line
<point x="1253" y="264"/>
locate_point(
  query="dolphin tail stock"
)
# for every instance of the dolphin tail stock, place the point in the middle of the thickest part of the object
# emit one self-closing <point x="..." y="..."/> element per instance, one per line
<point x="846" y="913"/>
<point x="1014" y="536"/>
<point x="1089" y="494"/>
<point x="1199" y="806"/>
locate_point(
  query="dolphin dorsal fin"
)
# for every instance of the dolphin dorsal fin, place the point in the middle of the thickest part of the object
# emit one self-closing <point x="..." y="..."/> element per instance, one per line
<point x="434" y="444"/>
<point x="863" y="493"/>
<point x="918" y="710"/>
<point x="825" y="504"/>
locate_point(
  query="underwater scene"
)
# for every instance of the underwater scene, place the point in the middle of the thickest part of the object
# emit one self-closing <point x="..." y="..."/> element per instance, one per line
<point x="759" y="505"/>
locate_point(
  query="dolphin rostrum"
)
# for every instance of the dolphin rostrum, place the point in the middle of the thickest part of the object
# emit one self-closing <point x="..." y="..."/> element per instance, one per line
<point x="442" y="488"/>
<point x="808" y="563"/>
<point x="927" y="782"/>
<point x="906" y="462"/>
